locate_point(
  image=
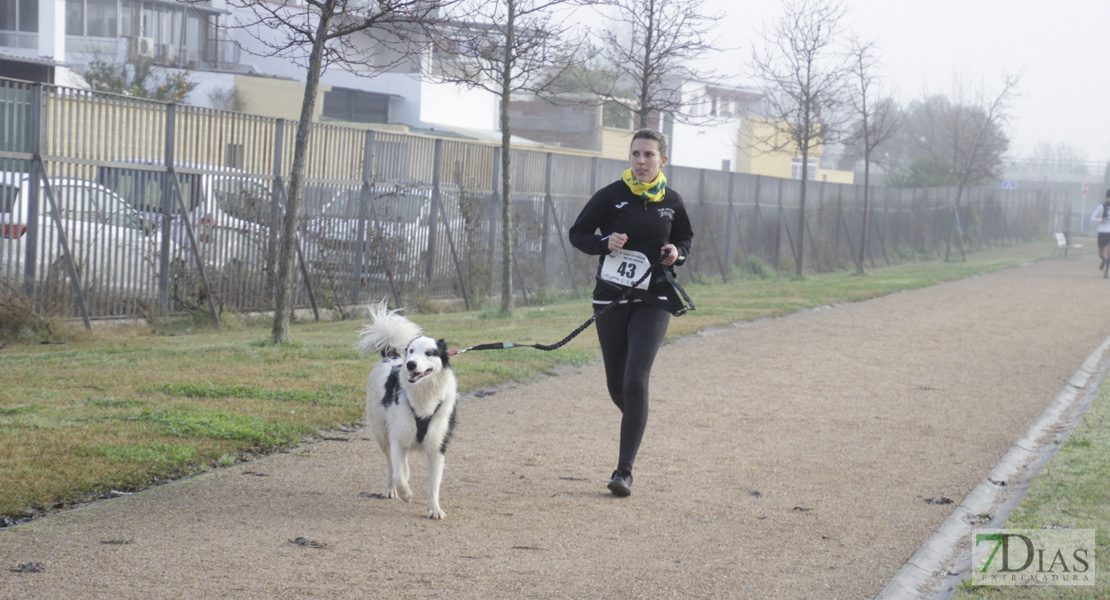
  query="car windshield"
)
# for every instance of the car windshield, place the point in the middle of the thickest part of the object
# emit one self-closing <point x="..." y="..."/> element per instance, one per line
<point x="81" y="202"/>
<point x="243" y="198"/>
<point x="142" y="188"/>
<point x="393" y="206"/>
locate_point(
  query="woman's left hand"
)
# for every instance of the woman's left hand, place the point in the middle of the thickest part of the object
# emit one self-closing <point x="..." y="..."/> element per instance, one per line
<point x="671" y="258"/>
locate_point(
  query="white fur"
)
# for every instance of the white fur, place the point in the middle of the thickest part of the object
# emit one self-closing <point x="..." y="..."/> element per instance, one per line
<point x="389" y="333"/>
<point x="425" y="386"/>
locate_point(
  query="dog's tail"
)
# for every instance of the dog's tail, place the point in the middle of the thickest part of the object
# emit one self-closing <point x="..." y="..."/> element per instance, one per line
<point x="388" y="330"/>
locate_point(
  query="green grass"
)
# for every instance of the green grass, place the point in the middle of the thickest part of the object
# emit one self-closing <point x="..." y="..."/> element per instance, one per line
<point x="125" y="407"/>
<point x="1070" y="492"/>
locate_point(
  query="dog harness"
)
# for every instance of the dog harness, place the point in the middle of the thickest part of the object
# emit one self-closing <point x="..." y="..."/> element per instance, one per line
<point x="422" y="423"/>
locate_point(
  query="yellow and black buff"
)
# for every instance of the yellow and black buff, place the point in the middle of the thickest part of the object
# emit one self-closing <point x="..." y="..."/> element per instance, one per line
<point x="652" y="192"/>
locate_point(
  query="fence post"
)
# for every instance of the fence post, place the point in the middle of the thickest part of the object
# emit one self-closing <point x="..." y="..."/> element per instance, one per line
<point x="167" y="227"/>
<point x="778" y="231"/>
<point x="169" y="156"/>
<point x="360" y="227"/>
<point x="758" y="217"/>
<point x="437" y="156"/>
<point x="545" y="226"/>
<point x="32" y="235"/>
<point x="728" y="224"/>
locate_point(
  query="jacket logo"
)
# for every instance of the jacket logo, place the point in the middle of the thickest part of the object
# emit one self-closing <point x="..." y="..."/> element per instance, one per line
<point x="621" y="205"/>
<point x="666" y="213"/>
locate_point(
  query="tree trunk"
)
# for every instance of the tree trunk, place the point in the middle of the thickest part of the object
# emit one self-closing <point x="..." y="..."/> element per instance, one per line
<point x="802" y="211"/>
<point x="866" y="209"/>
<point x="506" y="172"/>
<point x="642" y="114"/>
<point x="282" y="289"/>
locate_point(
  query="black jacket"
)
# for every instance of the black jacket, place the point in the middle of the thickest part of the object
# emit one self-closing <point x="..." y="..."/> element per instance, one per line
<point x="648" y="225"/>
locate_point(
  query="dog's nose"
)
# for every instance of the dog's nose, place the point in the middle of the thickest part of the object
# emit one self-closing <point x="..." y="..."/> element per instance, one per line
<point x="411" y="365"/>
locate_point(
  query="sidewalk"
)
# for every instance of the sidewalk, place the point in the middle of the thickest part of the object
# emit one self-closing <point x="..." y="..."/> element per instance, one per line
<point x="788" y="458"/>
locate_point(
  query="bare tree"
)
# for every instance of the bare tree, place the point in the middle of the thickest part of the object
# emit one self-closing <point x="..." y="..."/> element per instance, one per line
<point x="966" y="137"/>
<point x="647" y="52"/>
<point x="363" y="36"/>
<point x="878" y="120"/>
<point x="1060" y="158"/>
<point x="521" y="46"/>
<point x="804" y="87"/>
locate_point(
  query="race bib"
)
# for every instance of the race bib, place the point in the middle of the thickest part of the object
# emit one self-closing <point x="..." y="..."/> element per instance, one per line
<point x="625" y="268"/>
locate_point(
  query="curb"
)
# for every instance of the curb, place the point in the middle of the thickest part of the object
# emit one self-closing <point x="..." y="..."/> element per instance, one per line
<point x="938" y="566"/>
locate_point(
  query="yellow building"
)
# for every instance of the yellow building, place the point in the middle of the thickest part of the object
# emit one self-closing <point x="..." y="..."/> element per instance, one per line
<point x="756" y="154"/>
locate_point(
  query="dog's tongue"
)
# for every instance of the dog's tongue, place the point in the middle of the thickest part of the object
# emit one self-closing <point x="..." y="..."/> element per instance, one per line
<point x="415" y="376"/>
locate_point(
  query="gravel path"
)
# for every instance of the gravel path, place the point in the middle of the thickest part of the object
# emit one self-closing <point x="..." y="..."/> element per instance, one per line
<point x="788" y="458"/>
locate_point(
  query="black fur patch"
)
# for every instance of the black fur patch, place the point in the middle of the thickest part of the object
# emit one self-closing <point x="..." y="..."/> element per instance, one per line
<point x="441" y="349"/>
<point x="392" y="387"/>
<point x="450" y="430"/>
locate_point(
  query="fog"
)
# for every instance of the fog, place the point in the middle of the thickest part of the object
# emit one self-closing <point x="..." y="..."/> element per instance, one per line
<point x="925" y="45"/>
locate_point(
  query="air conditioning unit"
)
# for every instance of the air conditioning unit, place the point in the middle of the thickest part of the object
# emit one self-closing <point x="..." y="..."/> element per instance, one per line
<point x="141" y="47"/>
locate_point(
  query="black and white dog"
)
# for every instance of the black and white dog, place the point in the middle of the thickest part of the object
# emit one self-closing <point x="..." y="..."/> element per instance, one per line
<point x="410" y="401"/>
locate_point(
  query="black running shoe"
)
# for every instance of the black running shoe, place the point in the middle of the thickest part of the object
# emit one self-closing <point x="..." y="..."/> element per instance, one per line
<point x="621" y="483"/>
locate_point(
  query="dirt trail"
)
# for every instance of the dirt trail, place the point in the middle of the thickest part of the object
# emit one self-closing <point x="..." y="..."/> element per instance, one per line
<point x="789" y="458"/>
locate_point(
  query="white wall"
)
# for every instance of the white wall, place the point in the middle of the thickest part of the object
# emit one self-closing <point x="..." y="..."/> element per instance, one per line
<point x="704" y="146"/>
<point x="418" y="102"/>
<point x="455" y="105"/>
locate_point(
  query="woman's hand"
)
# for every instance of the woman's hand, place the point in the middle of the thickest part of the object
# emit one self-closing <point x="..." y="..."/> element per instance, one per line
<point x="671" y="258"/>
<point x="617" y="241"/>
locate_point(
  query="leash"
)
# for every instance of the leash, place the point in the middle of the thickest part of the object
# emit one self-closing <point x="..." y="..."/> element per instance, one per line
<point x="624" y="296"/>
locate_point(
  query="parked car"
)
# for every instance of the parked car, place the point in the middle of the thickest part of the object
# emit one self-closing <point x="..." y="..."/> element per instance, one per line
<point x="394" y="226"/>
<point x="229" y="209"/>
<point x="113" y="246"/>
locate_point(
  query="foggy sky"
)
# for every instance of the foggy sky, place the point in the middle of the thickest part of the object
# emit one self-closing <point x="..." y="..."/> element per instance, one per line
<point x="1057" y="45"/>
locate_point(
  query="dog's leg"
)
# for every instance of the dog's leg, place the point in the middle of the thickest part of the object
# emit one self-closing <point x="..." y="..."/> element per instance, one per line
<point x="401" y="472"/>
<point x="390" y="490"/>
<point x="435" y="476"/>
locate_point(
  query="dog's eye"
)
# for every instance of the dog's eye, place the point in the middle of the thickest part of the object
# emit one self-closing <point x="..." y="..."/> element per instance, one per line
<point x="429" y="353"/>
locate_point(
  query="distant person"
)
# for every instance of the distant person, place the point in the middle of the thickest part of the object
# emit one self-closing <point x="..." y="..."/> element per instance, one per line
<point x="630" y="225"/>
<point x="1102" y="217"/>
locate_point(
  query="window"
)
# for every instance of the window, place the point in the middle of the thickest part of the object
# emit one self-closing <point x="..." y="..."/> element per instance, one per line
<point x="75" y="203"/>
<point x="796" y="169"/>
<point x="75" y="17"/>
<point x="19" y="15"/>
<point x="102" y="18"/>
<point x="616" y="116"/>
<point x="356" y="106"/>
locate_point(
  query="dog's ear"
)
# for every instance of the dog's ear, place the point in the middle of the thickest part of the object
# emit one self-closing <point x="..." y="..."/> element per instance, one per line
<point x="441" y="346"/>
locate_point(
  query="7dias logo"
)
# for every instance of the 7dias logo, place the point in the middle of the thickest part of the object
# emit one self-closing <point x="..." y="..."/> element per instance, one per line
<point x="1033" y="557"/>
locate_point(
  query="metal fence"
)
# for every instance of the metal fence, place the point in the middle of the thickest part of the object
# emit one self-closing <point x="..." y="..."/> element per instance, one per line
<point x="116" y="206"/>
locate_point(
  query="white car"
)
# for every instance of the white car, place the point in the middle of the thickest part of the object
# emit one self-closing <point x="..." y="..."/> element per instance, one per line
<point x="113" y="247"/>
<point x="229" y="209"/>
<point x="394" y="233"/>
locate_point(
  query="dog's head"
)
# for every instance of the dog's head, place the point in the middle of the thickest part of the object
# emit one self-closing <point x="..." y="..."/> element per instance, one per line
<point x="423" y="357"/>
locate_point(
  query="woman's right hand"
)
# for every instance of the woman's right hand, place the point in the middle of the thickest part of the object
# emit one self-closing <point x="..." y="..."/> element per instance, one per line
<point x="617" y="241"/>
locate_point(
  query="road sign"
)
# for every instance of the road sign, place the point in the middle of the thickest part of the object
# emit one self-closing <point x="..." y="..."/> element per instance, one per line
<point x="1086" y="188"/>
<point x="1009" y="185"/>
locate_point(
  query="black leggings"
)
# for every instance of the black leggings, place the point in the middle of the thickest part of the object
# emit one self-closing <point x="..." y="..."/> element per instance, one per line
<point x="630" y="336"/>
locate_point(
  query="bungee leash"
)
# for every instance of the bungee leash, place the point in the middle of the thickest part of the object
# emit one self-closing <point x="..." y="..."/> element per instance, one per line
<point x="686" y="306"/>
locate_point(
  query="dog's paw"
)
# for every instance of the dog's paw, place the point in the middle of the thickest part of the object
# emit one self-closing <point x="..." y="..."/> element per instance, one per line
<point x="404" y="493"/>
<point x="436" y="513"/>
